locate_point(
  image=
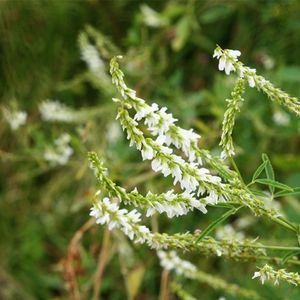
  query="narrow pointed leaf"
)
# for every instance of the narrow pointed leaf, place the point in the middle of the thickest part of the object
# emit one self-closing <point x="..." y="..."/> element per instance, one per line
<point x="274" y="184"/>
<point x="259" y="170"/>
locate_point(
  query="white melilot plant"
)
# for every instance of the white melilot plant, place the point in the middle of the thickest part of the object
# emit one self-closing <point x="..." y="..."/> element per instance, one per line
<point x="199" y="179"/>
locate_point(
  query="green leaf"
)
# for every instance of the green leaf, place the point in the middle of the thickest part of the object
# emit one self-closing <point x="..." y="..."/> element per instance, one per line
<point x="269" y="170"/>
<point x="284" y="194"/>
<point x="216" y="222"/>
<point x="259" y="170"/>
<point x="274" y="184"/>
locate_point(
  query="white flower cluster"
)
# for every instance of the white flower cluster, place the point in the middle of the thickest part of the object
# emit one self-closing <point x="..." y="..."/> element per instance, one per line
<point x="188" y="174"/>
<point x="107" y="212"/>
<point x="175" y="204"/>
<point x="191" y="178"/>
<point x="226" y="58"/>
<point x="15" y="119"/>
<point x="61" y="152"/>
<point x="89" y="54"/>
<point x="161" y="124"/>
<point x="227" y="232"/>
<point x="170" y="261"/>
<point x="53" y="110"/>
<point x="228" y="61"/>
<point x="268" y="273"/>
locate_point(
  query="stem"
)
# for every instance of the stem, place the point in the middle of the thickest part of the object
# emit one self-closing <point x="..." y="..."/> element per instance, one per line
<point x="274" y="247"/>
<point x="236" y="170"/>
<point x="164" y="286"/>
<point x="102" y="261"/>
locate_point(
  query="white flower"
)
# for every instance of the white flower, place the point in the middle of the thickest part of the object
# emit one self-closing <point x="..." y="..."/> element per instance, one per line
<point x="15" y="119"/>
<point x="61" y="152"/>
<point x="147" y="152"/>
<point x="145" y="111"/>
<point x="90" y="55"/>
<point x="227" y="58"/>
<point x="212" y="198"/>
<point x="176" y="173"/>
<point x="170" y="261"/>
<point x="262" y="277"/>
<point x="189" y="183"/>
<point x="107" y="212"/>
<point x="281" y="118"/>
<point x="162" y="123"/>
<point x="234" y="53"/>
<point x="218" y="52"/>
<point x="53" y="110"/>
<point x="251" y="81"/>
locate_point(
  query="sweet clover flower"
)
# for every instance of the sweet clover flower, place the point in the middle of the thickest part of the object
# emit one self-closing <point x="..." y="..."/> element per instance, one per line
<point x="106" y="212"/>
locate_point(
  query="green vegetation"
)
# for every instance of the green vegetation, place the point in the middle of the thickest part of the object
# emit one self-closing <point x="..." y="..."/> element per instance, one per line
<point x="55" y="58"/>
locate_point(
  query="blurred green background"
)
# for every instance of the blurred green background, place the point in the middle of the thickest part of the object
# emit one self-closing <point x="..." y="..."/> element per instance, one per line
<point x="167" y="48"/>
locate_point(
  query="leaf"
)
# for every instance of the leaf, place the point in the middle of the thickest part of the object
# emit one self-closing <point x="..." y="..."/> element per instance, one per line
<point x="289" y="255"/>
<point x="216" y="222"/>
<point x="284" y="194"/>
<point x="274" y="184"/>
<point x="183" y="30"/>
<point x="269" y="170"/>
<point x="259" y="170"/>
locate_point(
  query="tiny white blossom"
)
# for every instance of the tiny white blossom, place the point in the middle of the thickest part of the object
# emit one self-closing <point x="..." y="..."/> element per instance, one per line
<point x="15" y="119"/>
<point x="147" y="152"/>
<point x="226" y="59"/>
